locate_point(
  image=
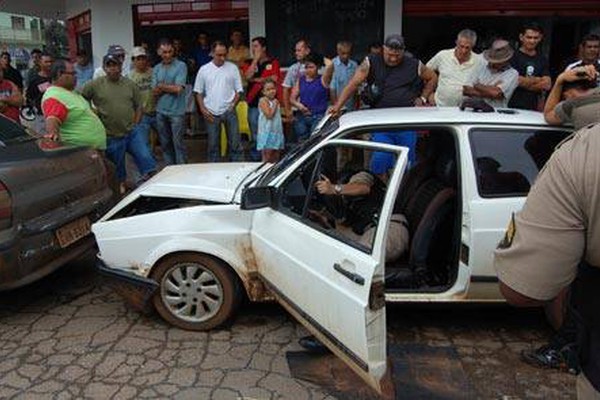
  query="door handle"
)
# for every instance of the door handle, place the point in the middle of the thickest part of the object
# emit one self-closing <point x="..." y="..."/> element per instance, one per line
<point x="350" y="275"/>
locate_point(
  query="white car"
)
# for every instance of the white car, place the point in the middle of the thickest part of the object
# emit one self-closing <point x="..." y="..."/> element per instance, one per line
<point x="196" y="239"/>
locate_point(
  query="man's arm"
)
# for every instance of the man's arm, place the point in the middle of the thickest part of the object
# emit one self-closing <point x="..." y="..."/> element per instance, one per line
<point x="430" y="80"/>
<point x="54" y="113"/>
<point x="535" y="83"/>
<point x="361" y="74"/>
<point x="203" y="110"/>
<point x="486" y="91"/>
<point x="554" y="97"/>
<point x="328" y="73"/>
<point x="518" y="299"/>
<point x="179" y="85"/>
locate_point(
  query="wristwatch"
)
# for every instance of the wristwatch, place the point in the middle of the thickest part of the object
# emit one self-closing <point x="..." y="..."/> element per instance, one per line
<point x="337" y="189"/>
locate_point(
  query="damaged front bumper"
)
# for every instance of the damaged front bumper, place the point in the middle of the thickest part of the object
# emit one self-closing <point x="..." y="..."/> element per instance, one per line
<point x="136" y="290"/>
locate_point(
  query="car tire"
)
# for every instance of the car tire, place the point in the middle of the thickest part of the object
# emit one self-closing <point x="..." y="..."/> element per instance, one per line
<point x="196" y="292"/>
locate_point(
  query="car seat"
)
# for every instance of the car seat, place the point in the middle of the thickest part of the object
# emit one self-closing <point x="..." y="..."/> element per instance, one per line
<point x="431" y="218"/>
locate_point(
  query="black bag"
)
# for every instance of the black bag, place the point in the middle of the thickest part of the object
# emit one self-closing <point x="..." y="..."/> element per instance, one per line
<point x="371" y="94"/>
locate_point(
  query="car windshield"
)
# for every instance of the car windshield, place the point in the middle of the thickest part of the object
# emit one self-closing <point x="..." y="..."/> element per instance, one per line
<point x="328" y="128"/>
<point x="12" y="132"/>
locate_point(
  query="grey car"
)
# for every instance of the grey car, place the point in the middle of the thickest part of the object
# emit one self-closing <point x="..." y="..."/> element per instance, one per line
<point x="49" y="196"/>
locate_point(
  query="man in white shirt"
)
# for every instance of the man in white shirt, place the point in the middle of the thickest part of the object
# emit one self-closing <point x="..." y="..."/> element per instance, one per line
<point x="456" y="68"/>
<point x="495" y="82"/>
<point x="218" y="87"/>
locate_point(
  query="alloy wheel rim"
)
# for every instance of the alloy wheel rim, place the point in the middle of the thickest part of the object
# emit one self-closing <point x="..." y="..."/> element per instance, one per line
<point x="191" y="292"/>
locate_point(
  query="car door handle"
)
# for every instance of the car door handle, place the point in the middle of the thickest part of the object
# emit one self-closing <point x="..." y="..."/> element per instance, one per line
<point x="350" y="275"/>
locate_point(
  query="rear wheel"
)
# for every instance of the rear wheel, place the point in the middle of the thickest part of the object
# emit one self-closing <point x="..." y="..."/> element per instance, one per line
<point x="196" y="292"/>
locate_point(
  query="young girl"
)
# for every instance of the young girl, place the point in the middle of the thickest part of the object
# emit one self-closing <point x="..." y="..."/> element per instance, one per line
<point x="270" y="138"/>
<point x="310" y="95"/>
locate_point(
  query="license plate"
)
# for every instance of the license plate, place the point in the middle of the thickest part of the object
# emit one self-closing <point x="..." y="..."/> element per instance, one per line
<point x="73" y="231"/>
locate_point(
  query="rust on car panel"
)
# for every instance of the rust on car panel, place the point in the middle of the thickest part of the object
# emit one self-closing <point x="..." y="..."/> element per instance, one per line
<point x="254" y="286"/>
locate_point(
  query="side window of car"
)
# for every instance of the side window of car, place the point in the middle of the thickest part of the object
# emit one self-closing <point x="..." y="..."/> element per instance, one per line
<point x="336" y="193"/>
<point x="507" y="161"/>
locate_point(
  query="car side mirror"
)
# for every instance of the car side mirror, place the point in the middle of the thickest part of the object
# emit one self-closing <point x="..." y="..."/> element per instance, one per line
<point x="257" y="197"/>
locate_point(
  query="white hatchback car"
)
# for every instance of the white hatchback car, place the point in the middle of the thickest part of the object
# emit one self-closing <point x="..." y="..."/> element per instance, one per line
<point x="196" y="238"/>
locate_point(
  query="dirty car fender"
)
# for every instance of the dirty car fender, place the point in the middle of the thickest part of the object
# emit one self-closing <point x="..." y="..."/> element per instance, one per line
<point x="232" y="251"/>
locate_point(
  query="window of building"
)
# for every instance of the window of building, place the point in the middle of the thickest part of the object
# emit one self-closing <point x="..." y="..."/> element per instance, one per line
<point x="507" y="161"/>
<point x="18" y="23"/>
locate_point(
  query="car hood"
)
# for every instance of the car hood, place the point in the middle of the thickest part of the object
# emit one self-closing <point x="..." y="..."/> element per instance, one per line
<point x="213" y="182"/>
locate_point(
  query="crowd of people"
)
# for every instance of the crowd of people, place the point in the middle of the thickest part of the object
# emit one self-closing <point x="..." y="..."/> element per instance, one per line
<point x="180" y="92"/>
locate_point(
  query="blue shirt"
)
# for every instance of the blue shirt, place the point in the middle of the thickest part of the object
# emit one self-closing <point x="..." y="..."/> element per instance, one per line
<point x="342" y="73"/>
<point x="83" y="74"/>
<point x="201" y="55"/>
<point x="170" y="74"/>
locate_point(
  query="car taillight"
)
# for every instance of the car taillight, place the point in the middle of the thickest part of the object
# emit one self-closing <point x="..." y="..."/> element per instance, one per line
<point x="5" y="207"/>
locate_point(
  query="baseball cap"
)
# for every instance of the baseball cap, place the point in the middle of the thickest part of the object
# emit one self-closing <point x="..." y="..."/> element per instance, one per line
<point x="115" y="49"/>
<point x="394" y="42"/>
<point x="111" y="58"/>
<point x="138" y="51"/>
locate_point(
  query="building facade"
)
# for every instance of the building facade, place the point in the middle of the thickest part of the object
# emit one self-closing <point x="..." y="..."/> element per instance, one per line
<point x="19" y="34"/>
<point x="428" y="25"/>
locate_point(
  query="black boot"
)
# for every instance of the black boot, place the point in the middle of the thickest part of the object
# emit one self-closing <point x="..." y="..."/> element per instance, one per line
<point x="313" y="345"/>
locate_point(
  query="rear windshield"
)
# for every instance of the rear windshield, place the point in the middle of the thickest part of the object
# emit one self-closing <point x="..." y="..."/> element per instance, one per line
<point x="507" y="161"/>
<point x="11" y="131"/>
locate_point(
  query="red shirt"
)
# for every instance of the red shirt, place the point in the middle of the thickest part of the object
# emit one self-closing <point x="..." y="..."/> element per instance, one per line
<point x="263" y="70"/>
<point x="7" y="89"/>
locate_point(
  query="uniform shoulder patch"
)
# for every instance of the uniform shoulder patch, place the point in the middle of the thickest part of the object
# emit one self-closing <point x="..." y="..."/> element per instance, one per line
<point x="509" y="235"/>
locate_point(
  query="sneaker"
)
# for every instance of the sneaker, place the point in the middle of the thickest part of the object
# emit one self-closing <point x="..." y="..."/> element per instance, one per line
<point x="547" y="356"/>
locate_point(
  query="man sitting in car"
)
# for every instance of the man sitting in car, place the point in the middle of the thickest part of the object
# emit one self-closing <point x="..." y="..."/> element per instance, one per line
<point x="362" y="198"/>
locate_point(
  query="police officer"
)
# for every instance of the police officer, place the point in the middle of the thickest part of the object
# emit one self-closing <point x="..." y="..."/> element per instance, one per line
<point x="555" y="240"/>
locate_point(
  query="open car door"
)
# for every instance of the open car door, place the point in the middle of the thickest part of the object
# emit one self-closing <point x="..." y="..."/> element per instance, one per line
<point x="332" y="282"/>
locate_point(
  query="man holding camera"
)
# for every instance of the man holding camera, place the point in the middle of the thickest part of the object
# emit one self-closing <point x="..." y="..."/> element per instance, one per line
<point x="581" y="105"/>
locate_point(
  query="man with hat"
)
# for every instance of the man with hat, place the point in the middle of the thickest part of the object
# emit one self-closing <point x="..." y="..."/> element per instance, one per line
<point x="496" y="82"/>
<point x="393" y="80"/>
<point x="119" y="52"/>
<point x="119" y="105"/>
<point x="141" y="75"/>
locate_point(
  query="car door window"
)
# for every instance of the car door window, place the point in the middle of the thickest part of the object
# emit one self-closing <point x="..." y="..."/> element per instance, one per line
<point x="507" y="161"/>
<point x="310" y="194"/>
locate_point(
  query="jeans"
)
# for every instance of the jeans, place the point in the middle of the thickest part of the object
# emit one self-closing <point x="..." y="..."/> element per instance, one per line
<point x="134" y="144"/>
<point x="213" y="129"/>
<point x="253" y="124"/>
<point x="146" y="123"/>
<point x="170" y="134"/>
<point x="305" y="124"/>
<point x="383" y="161"/>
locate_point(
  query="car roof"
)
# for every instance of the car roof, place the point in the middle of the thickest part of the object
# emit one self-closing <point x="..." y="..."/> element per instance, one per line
<point x="439" y="115"/>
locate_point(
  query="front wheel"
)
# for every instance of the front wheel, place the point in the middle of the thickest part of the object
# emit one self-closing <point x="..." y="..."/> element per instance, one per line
<point x="196" y="292"/>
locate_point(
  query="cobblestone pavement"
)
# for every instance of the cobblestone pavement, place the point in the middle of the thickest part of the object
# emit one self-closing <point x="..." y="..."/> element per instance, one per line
<point x="69" y="336"/>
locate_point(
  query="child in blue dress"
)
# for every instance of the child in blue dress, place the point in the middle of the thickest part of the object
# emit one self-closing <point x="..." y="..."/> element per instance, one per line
<point x="270" y="139"/>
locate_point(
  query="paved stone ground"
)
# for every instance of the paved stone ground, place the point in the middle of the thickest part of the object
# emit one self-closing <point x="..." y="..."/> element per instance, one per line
<point x="69" y="337"/>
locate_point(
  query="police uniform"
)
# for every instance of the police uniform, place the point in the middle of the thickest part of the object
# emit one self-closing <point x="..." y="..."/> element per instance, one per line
<point x="559" y="227"/>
